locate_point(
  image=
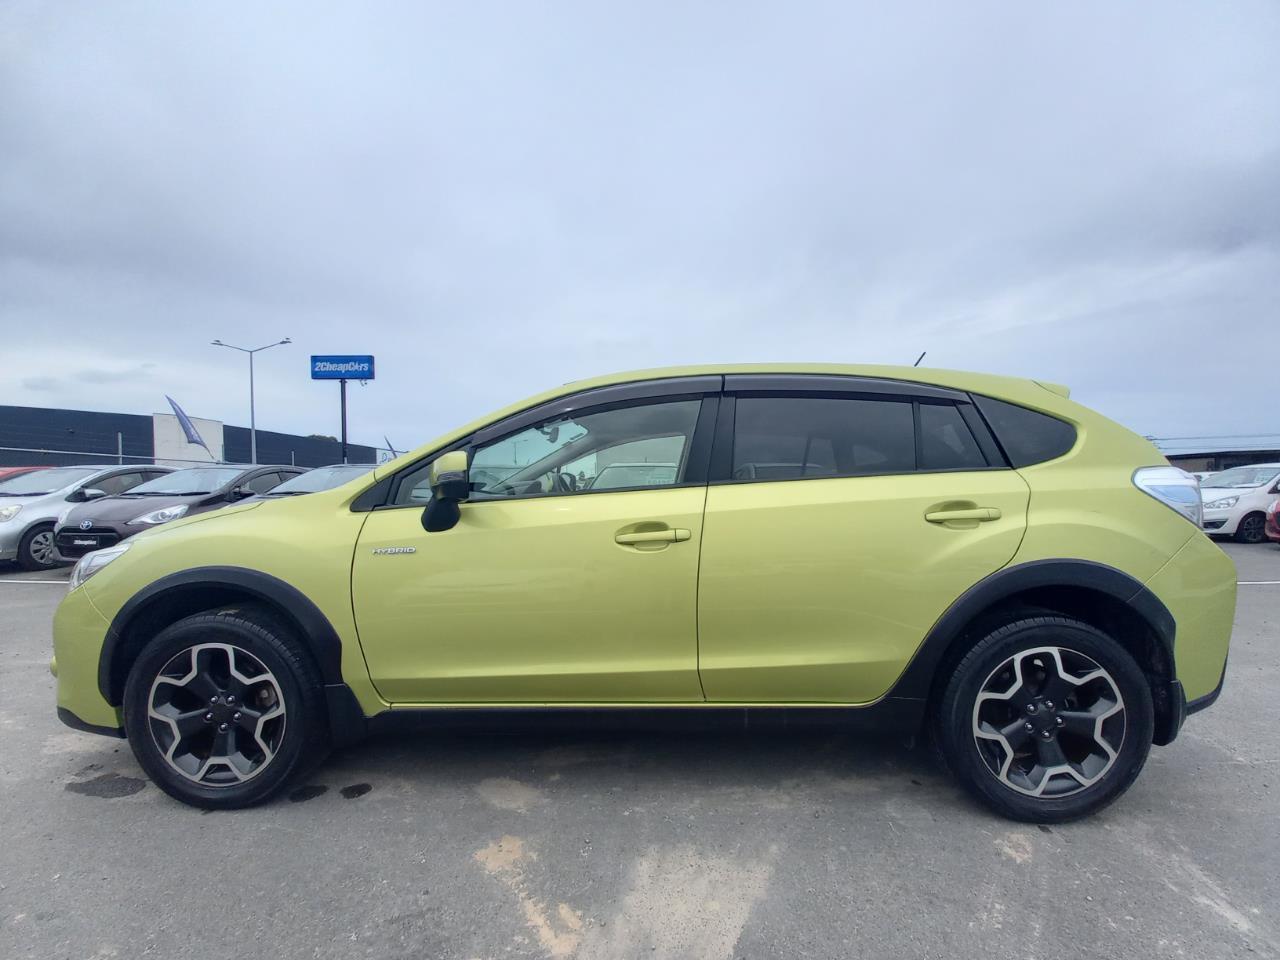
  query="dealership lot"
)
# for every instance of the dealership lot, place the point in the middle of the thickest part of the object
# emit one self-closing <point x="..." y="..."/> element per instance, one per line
<point x="595" y="845"/>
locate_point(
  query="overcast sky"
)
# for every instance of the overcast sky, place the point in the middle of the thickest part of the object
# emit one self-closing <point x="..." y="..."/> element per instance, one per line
<point x="497" y="198"/>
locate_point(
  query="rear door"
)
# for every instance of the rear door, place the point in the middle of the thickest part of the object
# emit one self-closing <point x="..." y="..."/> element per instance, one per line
<point x="843" y="518"/>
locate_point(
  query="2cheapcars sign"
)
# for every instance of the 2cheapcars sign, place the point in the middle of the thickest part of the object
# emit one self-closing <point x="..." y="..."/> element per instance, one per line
<point x="342" y="368"/>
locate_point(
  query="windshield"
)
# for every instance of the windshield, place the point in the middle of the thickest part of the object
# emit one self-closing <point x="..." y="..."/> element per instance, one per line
<point x="322" y="478"/>
<point x="1242" y="477"/>
<point x="195" y="480"/>
<point x="44" y="481"/>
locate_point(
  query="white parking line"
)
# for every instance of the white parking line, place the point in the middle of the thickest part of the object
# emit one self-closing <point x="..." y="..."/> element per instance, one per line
<point x="1257" y="583"/>
<point x="63" y="582"/>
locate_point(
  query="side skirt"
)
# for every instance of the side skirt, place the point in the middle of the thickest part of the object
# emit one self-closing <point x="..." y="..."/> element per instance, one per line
<point x="901" y="717"/>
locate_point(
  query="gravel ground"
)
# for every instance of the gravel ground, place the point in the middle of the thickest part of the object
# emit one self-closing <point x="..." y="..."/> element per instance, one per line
<point x="592" y="845"/>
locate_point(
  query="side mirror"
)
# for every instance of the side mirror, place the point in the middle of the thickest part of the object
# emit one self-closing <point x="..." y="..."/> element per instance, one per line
<point x="449" y="487"/>
<point x="236" y="493"/>
<point x="93" y="493"/>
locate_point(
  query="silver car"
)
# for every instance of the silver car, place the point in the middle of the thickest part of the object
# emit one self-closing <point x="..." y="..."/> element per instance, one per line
<point x="31" y="502"/>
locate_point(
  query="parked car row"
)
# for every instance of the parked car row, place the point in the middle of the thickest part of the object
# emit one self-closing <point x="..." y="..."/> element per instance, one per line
<point x="55" y="515"/>
<point x="1235" y="501"/>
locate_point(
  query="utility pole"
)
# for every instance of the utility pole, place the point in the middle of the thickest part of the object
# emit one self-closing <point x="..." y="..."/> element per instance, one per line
<point x="253" y="425"/>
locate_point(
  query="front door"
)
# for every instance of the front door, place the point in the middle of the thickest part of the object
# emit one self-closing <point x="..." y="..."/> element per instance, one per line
<point x="570" y="577"/>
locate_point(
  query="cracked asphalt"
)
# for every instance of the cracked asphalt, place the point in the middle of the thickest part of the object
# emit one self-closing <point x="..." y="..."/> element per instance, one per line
<point x="591" y="845"/>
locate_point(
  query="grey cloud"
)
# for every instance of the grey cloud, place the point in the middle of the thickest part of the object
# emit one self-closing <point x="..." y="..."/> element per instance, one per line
<point x="496" y="205"/>
<point x="40" y="383"/>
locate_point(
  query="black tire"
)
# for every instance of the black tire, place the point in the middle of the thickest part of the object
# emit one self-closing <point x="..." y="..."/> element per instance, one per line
<point x="1098" y="778"/>
<point x="297" y="737"/>
<point x="32" y="547"/>
<point x="1252" y="528"/>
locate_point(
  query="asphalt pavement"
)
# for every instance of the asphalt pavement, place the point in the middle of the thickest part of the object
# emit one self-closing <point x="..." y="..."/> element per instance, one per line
<point x="591" y="845"/>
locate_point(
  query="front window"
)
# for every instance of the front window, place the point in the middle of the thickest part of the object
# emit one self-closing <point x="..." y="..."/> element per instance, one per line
<point x="183" y="482"/>
<point x="1242" y="477"/>
<point x="628" y="447"/>
<point x="39" y="482"/>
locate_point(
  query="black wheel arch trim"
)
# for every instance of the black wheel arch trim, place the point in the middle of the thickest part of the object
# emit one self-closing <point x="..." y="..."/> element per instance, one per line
<point x="318" y="634"/>
<point x="918" y="678"/>
<point x="75" y="723"/>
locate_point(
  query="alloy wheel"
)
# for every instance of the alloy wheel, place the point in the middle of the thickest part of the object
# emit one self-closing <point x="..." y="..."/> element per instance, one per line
<point x="216" y="714"/>
<point x="42" y="549"/>
<point x="1049" y="722"/>
<point x="1253" y="528"/>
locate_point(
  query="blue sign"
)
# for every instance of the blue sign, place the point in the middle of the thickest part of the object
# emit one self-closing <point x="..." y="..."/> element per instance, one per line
<point x="342" y="368"/>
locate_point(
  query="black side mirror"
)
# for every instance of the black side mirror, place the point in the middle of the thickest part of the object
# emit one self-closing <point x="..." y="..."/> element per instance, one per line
<point x="449" y="487"/>
<point x="236" y="493"/>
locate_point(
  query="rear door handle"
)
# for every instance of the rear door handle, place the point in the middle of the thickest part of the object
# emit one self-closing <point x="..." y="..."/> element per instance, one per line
<point x="670" y="535"/>
<point x="976" y="513"/>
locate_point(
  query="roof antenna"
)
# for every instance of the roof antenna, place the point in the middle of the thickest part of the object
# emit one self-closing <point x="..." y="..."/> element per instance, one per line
<point x="919" y="358"/>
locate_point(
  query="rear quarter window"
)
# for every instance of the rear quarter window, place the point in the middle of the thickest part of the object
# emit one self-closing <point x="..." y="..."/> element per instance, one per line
<point x="1027" y="436"/>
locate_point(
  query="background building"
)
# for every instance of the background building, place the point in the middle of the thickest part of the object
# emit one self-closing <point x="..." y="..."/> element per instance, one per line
<point x="39" y="435"/>
<point x="1199" y="454"/>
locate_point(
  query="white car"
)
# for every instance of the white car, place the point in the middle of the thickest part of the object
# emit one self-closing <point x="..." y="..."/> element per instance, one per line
<point x="1236" y="501"/>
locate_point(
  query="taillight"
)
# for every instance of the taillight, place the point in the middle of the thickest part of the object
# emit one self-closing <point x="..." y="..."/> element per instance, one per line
<point x="1176" y="489"/>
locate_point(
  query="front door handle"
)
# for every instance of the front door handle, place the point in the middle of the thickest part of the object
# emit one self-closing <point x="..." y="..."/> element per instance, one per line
<point x="974" y="513"/>
<point x="670" y="535"/>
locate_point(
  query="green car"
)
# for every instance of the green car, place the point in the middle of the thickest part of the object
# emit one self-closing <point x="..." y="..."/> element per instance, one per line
<point x="972" y="557"/>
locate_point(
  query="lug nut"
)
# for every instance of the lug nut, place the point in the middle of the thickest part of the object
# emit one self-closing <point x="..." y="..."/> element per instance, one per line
<point x="237" y="717"/>
<point x="223" y="727"/>
<point x="231" y="699"/>
<point x="213" y="699"/>
<point x="1031" y="708"/>
<point x="1028" y="726"/>
<point x="1060" y="721"/>
<point x="1048" y="704"/>
<point x="208" y="718"/>
<point x="1047" y="734"/>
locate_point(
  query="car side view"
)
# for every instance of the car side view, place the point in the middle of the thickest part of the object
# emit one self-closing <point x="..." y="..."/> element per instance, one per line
<point x="971" y="557"/>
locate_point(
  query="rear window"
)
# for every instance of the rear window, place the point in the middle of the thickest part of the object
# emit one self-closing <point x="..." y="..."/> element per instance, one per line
<point x="785" y="438"/>
<point x="1027" y="436"/>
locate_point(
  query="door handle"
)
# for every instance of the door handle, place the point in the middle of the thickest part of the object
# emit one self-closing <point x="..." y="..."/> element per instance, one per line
<point x="975" y="513"/>
<point x="670" y="535"/>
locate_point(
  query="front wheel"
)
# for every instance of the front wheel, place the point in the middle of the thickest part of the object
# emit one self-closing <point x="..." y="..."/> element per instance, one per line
<point x="1046" y="720"/>
<point x="223" y="709"/>
<point x="1252" y="528"/>
<point x="36" y="550"/>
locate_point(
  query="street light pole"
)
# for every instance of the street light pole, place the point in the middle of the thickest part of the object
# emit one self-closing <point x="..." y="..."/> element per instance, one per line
<point x="253" y="423"/>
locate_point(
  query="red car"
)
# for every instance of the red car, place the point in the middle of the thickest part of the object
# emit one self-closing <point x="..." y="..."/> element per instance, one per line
<point x="1273" y="521"/>
<point x="7" y="472"/>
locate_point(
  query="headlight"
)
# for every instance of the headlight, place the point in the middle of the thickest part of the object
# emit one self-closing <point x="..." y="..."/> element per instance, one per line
<point x="163" y="515"/>
<point x="91" y="563"/>
<point x="1222" y="503"/>
<point x="8" y="513"/>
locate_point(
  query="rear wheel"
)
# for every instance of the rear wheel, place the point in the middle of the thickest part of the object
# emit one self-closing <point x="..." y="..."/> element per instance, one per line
<point x="36" y="550"/>
<point x="1046" y="719"/>
<point x="223" y="709"/>
<point x="1252" y="528"/>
